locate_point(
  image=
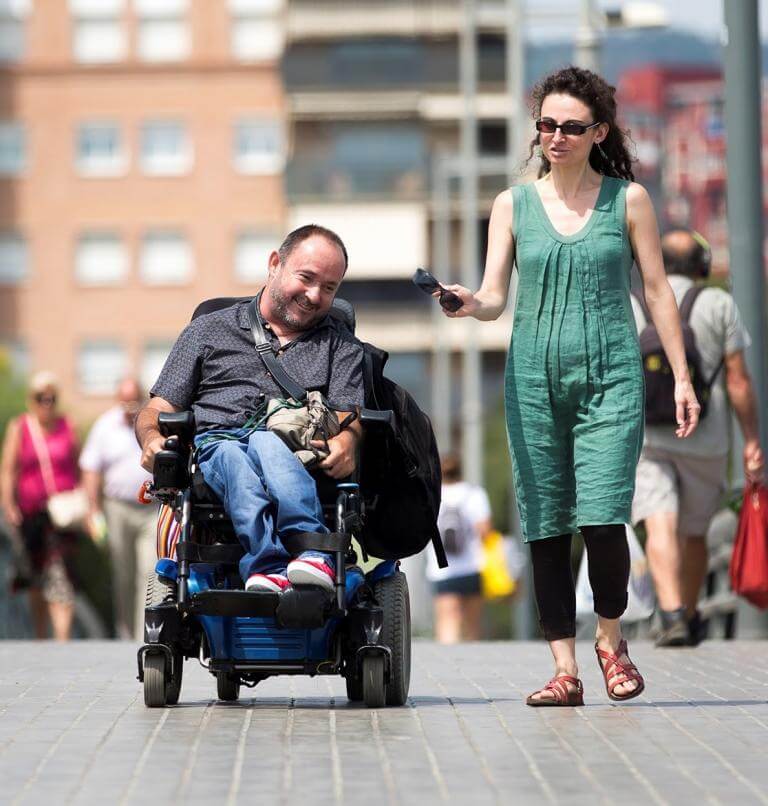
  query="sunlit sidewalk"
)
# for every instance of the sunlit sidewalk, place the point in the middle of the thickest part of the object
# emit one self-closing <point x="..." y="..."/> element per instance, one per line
<point x="73" y="728"/>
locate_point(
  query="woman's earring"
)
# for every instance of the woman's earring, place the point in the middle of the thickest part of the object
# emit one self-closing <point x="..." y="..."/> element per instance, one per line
<point x="602" y="153"/>
<point x="538" y="152"/>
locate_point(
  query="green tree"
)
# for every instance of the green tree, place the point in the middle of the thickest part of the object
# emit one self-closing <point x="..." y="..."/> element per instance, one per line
<point x="12" y="391"/>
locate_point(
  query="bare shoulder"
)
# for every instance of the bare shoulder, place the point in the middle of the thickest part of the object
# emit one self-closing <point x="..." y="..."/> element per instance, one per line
<point x="637" y="195"/>
<point x="502" y="207"/>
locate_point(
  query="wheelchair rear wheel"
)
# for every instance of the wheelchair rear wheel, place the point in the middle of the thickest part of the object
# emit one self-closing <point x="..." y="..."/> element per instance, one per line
<point x="155" y="686"/>
<point x="392" y="594"/>
<point x="227" y="686"/>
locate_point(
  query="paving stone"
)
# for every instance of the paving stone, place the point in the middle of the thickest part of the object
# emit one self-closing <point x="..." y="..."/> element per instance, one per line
<point x="74" y="729"/>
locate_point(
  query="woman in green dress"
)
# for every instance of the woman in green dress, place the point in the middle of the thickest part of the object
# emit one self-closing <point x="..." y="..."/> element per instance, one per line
<point x="574" y="383"/>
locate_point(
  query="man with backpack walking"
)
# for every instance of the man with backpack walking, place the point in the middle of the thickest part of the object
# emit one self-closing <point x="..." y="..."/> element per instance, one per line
<point x="679" y="484"/>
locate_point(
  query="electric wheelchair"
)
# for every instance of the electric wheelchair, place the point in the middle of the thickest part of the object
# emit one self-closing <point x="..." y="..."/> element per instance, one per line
<point x="196" y="606"/>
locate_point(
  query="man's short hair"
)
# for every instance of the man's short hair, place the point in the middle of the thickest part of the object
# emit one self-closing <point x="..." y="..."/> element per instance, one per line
<point x="293" y="239"/>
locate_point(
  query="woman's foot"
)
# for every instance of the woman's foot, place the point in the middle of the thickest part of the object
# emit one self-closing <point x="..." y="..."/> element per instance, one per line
<point x="622" y="679"/>
<point x="562" y="690"/>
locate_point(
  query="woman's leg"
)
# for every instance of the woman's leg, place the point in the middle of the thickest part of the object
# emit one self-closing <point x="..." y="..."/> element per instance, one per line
<point x="62" y="615"/>
<point x="608" y="558"/>
<point x="39" y="612"/>
<point x="471" y="616"/>
<point x="448" y="618"/>
<point x="556" y="600"/>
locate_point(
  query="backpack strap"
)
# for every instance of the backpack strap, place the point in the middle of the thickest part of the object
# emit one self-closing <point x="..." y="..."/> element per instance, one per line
<point x="686" y="304"/>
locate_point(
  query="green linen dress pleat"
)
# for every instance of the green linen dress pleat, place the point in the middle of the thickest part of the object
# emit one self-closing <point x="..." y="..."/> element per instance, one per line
<point x="574" y="395"/>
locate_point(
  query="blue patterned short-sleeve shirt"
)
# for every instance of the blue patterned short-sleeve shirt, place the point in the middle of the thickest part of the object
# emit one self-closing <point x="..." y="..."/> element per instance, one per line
<point x="215" y="370"/>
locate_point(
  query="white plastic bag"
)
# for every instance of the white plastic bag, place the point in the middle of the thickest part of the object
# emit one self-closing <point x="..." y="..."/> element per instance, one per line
<point x="641" y="596"/>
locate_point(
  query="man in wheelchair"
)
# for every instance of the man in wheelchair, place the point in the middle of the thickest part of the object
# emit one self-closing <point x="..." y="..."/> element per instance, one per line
<point x="216" y="370"/>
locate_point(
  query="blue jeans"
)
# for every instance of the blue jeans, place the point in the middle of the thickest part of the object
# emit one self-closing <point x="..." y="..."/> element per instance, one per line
<point x="266" y="492"/>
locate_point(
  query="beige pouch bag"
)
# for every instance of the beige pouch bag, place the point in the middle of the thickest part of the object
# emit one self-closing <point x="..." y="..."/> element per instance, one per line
<point x="298" y="425"/>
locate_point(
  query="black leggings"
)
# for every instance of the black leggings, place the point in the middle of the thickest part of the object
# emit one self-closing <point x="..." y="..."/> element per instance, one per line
<point x="608" y="558"/>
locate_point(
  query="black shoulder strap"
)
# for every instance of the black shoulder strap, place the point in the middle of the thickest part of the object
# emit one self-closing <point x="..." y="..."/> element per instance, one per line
<point x="686" y="304"/>
<point x="640" y="297"/>
<point x="264" y="349"/>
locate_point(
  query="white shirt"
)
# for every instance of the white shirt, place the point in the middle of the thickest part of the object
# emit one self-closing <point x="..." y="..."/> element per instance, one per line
<point x="474" y="504"/>
<point x="112" y="450"/>
<point x="719" y="331"/>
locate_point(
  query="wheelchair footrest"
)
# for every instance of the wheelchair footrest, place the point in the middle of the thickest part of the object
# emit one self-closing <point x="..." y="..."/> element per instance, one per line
<point x="234" y="603"/>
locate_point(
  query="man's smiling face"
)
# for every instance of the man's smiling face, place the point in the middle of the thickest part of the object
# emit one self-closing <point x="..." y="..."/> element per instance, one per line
<point x="302" y="289"/>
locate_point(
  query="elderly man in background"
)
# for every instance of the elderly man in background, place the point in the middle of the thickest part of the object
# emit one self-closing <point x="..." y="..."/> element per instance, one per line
<point x="112" y="475"/>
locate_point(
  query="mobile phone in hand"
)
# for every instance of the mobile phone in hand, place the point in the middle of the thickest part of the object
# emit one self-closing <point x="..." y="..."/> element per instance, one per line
<point x="428" y="284"/>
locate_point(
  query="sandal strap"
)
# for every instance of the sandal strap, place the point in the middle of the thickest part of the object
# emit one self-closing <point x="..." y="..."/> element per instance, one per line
<point x="624" y="672"/>
<point x="559" y="687"/>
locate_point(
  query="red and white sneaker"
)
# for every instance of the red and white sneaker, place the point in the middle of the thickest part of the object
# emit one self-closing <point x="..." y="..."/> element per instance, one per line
<point x="274" y="583"/>
<point x="312" y="570"/>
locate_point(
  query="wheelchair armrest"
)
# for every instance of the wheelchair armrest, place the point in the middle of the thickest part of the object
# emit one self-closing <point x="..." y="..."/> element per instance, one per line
<point x="177" y="424"/>
<point x="377" y="419"/>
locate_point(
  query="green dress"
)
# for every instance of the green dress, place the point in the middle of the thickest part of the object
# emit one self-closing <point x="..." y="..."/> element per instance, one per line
<point x="574" y="392"/>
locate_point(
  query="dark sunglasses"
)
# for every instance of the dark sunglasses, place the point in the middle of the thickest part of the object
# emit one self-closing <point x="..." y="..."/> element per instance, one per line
<point x="45" y="400"/>
<point x="549" y="126"/>
<point x="427" y="283"/>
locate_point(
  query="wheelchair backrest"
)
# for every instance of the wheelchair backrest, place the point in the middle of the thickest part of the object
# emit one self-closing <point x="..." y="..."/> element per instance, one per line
<point x="340" y="309"/>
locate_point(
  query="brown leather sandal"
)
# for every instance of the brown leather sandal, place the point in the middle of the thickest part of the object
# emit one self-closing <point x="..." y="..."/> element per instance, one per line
<point x="617" y="673"/>
<point x="563" y="695"/>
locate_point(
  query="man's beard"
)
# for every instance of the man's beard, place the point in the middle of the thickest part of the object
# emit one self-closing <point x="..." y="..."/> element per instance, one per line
<point x="280" y="310"/>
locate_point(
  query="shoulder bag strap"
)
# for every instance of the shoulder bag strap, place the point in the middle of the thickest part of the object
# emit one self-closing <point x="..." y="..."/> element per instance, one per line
<point x="43" y="455"/>
<point x="686" y="306"/>
<point x="291" y="387"/>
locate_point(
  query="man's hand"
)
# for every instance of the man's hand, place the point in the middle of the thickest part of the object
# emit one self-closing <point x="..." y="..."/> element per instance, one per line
<point x="340" y="462"/>
<point x="754" y="463"/>
<point x="149" y="449"/>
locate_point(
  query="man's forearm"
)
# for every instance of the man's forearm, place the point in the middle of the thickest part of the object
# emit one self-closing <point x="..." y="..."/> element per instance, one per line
<point x="742" y="397"/>
<point x="146" y="425"/>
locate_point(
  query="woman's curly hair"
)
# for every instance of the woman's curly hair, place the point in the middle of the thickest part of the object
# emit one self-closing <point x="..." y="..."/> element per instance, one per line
<point x="599" y="96"/>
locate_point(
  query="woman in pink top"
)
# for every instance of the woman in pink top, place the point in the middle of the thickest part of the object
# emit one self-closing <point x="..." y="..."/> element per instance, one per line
<point x="24" y="488"/>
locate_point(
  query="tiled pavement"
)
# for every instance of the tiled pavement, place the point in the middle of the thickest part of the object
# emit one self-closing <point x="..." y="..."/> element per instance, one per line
<point x="73" y="729"/>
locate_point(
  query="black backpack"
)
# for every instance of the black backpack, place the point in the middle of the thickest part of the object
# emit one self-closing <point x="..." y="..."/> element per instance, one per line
<point x="659" y="379"/>
<point x="400" y="476"/>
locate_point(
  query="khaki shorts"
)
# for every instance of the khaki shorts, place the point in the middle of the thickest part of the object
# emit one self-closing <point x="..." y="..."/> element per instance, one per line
<point x="691" y="486"/>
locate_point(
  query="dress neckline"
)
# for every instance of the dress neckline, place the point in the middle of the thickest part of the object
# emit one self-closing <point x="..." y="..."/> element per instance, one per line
<point x="585" y="228"/>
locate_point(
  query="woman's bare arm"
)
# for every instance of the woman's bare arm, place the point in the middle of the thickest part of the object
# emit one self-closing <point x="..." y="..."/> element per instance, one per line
<point x="9" y="470"/>
<point x="646" y="245"/>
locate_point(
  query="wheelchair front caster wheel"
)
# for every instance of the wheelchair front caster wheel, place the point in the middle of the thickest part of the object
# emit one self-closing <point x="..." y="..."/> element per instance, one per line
<point x="227" y="686"/>
<point x="374" y="689"/>
<point x="155" y="686"/>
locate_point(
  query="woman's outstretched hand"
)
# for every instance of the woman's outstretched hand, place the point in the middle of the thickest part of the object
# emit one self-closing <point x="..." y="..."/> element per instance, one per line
<point x="687" y="409"/>
<point x="471" y="303"/>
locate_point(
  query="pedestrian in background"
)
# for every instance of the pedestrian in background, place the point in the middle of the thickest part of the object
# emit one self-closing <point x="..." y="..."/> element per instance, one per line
<point x="112" y="475"/>
<point x="574" y="381"/>
<point x="39" y="458"/>
<point x="464" y="520"/>
<point x="680" y="485"/>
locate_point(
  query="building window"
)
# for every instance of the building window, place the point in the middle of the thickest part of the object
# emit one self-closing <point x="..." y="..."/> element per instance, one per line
<point x="165" y="148"/>
<point x="100" y="259"/>
<point x="100" y="150"/>
<point x="100" y="366"/>
<point x="252" y="251"/>
<point x="259" y="146"/>
<point x="152" y="361"/>
<point x="257" y="32"/>
<point x="163" y="30"/>
<point x="13" y="15"/>
<point x="13" y="258"/>
<point x="12" y="149"/>
<point x="166" y="258"/>
<point x="98" y="32"/>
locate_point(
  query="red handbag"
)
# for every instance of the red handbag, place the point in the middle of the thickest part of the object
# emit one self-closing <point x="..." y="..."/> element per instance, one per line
<point x="749" y="562"/>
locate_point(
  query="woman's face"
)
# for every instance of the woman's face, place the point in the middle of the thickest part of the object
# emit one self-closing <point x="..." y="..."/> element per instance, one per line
<point x="43" y="403"/>
<point x="569" y="149"/>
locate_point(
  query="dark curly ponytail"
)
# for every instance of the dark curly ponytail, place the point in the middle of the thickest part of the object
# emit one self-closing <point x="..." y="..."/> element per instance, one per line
<point x="611" y="157"/>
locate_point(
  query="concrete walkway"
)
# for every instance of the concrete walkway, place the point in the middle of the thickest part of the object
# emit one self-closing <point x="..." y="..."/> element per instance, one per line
<point x="74" y="729"/>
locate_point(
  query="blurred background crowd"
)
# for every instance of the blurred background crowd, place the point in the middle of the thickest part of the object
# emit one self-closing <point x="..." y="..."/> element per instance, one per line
<point x="154" y="152"/>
